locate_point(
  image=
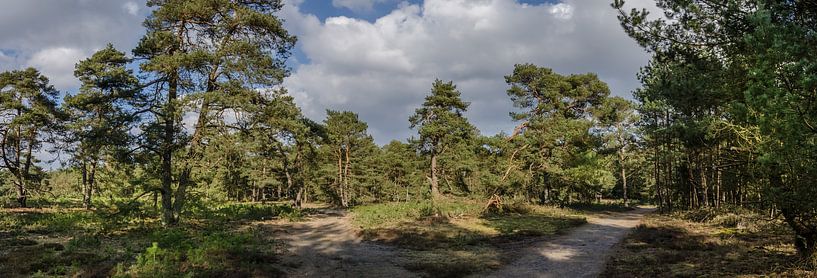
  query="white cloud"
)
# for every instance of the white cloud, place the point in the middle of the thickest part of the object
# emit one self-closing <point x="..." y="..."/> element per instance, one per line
<point x="37" y="33"/>
<point x="562" y="11"/>
<point x="58" y="64"/>
<point x="383" y="69"/>
<point x="357" y="5"/>
<point x="131" y="7"/>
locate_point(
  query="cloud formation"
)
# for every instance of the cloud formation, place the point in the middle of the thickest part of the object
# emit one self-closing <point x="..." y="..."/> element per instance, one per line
<point x="55" y="34"/>
<point x="57" y="63"/>
<point x="380" y="69"/>
<point x="383" y="69"/>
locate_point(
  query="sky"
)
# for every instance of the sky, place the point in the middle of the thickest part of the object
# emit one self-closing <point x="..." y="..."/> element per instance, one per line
<point x="377" y="58"/>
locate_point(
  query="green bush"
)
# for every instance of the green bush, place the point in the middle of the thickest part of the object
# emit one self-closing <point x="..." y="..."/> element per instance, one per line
<point x="175" y="253"/>
<point x="255" y="212"/>
<point x="155" y="262"/>
<point x="175" y="238"/>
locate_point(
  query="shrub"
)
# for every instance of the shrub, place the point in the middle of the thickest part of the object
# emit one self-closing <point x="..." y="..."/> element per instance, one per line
<point x="255" y="212"/>
<point x="155" y="262"/>
<point x="171" y="238"/>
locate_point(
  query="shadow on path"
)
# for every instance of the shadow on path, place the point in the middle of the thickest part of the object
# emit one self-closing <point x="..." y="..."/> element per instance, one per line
<point x="327" y="246"/>
<point x="582" y="252"/>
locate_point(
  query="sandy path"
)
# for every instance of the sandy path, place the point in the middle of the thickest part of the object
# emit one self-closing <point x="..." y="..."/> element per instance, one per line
<point x="325" y="245"/>
<point x="582" y="252"/>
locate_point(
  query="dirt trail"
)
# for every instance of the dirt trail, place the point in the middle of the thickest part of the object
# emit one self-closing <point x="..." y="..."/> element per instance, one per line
<point x="326" y="245"/>
<point x="582" y="252"/>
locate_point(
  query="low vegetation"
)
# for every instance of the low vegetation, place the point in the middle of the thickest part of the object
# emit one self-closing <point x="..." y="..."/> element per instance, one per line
<point x="458" y="236"/>
<point x="75" y="242"/>
<point x="708" y="243"/>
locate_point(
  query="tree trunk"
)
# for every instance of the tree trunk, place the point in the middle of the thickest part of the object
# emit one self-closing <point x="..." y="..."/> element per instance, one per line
<point x="86" y="198"/>
<point x="623" y="175"/>
<point x="624" y="185"/>
<point x="346" y="176"/>
<point x="657" y="170"/>
<point x="290" y="183"/>
<point x="299" y="197"/>
<point x="168" y="217"/>
<point x="805" y="234"/>
<point x="718" y="192"/>
<point x="340" y="176"/>
<point x="155" y="201"/>
<point x="89" y="191"/>
<point x="194" y="153"/>
<point x="21" y="194"/>
<point x="435" y="190"/>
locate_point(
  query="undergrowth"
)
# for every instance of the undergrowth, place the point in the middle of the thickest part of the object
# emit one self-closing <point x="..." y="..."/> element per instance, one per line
<point x="122" y="241"/>
<point x="708" y="243"/>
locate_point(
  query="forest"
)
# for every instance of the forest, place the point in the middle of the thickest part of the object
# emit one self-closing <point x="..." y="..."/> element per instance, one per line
<point x="174" y="157"/>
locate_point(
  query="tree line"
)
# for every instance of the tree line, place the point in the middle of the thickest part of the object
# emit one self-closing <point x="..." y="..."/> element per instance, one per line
<point x="728" y="106"/>
<point x="196" y="115"/>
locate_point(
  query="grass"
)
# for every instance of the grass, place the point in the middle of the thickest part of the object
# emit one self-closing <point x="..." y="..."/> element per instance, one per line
<point x="707" y="244"/>
<point x="454" y="237"/>
<point x="49" y="242"/>
<point x="603" y="206"/>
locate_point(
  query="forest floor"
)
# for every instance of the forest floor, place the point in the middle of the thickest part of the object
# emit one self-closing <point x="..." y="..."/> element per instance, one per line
<point x="707" y="243"/>
<point x="334" y="243"/>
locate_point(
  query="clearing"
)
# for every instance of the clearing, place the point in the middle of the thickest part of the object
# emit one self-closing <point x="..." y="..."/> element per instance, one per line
<point x="328" y="244"/>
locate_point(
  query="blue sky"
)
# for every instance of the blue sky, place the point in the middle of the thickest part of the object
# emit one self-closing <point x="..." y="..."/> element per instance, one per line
<point x="325" y="8"/>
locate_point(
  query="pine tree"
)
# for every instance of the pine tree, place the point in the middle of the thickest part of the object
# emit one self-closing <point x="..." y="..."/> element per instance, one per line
<point x="99" y="112"/>
<point x="31" y="117"/>
<point x="347" y="138"/>
<point x="441" y="125"/>
<point x="211" y="55"/>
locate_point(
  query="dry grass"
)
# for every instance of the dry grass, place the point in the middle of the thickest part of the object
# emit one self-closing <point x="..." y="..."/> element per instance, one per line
<point x="455" y="238"/>
<point x="665" y="246"/>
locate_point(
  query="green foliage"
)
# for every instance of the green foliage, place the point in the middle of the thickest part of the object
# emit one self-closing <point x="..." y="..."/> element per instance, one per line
<point x="177" y="253"/>
<point x="155" y="262"/>
<point x="209" y="57"/>
<point x="255" y="212"/>
<point x="554" y="150"/>
<point x="350" y="149"/>
<point x="439" y="121"/>
<point x="32" y="117"/>
<point x="734" y="81"/>
<point x="444" y="132"/>
<point x="45" y="223"/>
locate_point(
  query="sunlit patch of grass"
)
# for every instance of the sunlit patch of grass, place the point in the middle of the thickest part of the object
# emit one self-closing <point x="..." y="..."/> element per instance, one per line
<point x="456" y="237"/>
